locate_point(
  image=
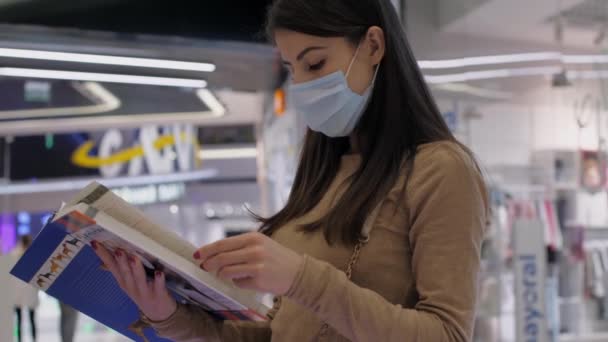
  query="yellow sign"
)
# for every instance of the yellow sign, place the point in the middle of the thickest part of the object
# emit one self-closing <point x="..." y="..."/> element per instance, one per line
<point x="82" y="157"/>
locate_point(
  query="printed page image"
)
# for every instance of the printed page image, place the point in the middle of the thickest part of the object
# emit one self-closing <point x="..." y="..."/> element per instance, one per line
<point x="72" y="273"/>
<point x="185" y="289"/>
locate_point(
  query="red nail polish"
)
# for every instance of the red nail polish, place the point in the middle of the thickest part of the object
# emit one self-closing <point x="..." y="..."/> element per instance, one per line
<point x="118" y="253"/>
<point x="131" y="259"/>
<point x="94" y="244"/>
<point x="197" y="255"/>
<point x="158" y="274"/>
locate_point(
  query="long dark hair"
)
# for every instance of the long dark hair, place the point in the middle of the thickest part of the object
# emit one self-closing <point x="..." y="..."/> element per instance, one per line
<point x="400" y="117"/>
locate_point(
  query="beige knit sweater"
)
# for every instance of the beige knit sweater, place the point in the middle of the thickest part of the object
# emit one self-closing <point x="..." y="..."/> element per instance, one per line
<point x="416" y="279"/>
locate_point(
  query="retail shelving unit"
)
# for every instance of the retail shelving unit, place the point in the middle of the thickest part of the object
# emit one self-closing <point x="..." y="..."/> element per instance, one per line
<point x="584" y="220"/>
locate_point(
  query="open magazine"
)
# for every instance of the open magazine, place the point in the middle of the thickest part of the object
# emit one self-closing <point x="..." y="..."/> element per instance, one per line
<point x="62" y="263"/>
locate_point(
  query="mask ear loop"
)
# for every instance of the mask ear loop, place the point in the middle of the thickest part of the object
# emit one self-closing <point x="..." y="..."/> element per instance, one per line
<point x="376" y="74"/>
<point x="352" y="61"/>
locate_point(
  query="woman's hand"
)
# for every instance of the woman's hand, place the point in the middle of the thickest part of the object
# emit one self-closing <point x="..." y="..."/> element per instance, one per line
<point x="252" y="261"/>
<point x="152" y="297"/>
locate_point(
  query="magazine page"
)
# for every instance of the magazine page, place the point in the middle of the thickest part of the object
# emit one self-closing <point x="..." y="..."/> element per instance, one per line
<point x="69" y="270"/>
<point x="185" y="287"/>
<point x="96" y="225"/>
<point x="105" y="201"/>
<point x="62" y="263"/>
<point x="102" y="199"/>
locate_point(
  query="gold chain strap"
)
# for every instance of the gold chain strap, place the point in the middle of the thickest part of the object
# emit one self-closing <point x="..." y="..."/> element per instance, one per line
<point x="363" y="240"/>
<point x="349" y="273"/>
<point x="355" y="257"/>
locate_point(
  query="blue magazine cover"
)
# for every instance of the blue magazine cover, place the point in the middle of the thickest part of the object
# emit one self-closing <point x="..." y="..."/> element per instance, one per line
<point x="62" y="263"/>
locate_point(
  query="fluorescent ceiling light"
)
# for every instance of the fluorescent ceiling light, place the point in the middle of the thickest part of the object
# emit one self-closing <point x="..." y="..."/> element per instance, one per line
<point x="107" y="102"/>
<point x="217" y="108"/>
<point x="477" y="91"/>
<point x="588" y="74"/>
<point x="490" y="74"/>
<point x="511" y="59"/>
<point x="228" y="153"/>
<point x="98" y="77"/>
<point x="585" y="59"/>
<point x="515" y="72"/>
<point x="105" y="59"/>
<point x="488" y="60"/>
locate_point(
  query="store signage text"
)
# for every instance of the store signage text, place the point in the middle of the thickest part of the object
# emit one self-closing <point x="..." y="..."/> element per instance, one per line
<point x="172" y="151"/>
<point x="530" y="285"/>
<point x="150" y="194"/>
<point x="530" y="271"/>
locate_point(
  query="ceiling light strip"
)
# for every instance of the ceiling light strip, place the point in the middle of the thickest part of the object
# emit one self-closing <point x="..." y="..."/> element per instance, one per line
<point x="107" y="60"/>
<point x="491" y="74"/>
<point x="98" y="77"/>
<point x="512" y="59"/>
<point x="107" y="102"/>
<point x="217" y="108"/>
<point x="476" y="91"/>
<point x="228" y="153"/>
<point x="210" y="67"/>
<point x="489" y="60"/>
<point x="585" y="59"/>
<point x="588" y="74"/>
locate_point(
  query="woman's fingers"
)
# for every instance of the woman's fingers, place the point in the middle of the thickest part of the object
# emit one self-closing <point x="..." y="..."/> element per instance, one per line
<point x="109" y="261"/>
<point x="226" y="245"/>
<point x="241" y="256"/>
<point x="139" y="276"/>
<point x="160" y="286"/>
<point x="152" y="298"/>
<point x="127" y="275"/>
<point x="242" y="271"/>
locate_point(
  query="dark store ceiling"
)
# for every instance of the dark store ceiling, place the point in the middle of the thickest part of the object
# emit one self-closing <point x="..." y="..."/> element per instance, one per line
<point x="224" y="19"/>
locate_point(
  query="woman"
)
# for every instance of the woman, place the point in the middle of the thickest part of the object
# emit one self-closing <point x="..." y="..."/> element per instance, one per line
<point x="67" y="322"/>
<point x="25" y="295"/>
<point x="380" y="238"/>
<point x="7" y="321"/>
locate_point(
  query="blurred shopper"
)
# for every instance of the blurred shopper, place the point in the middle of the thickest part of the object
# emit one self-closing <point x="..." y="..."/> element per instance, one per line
<point x="69" y="319"/>
<point x="6" y="298"/>
<point x="25" y="295"/>
<point x="378" y="155"/>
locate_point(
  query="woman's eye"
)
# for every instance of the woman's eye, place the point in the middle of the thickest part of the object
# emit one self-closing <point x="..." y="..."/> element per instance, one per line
<point x="317" y="67"/>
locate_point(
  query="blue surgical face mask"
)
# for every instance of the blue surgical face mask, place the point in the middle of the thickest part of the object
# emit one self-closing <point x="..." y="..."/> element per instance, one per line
<point x="328" y="105"/>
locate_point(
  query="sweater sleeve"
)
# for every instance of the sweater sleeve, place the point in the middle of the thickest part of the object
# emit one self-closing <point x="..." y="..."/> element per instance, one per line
<point x="447" y="211"/>
<point x="190" y="324"/>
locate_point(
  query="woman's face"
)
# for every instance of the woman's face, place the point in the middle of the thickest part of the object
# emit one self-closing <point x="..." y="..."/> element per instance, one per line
<point x="310" y="57"/>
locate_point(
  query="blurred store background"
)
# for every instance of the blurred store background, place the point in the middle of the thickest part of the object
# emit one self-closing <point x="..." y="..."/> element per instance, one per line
<point x="181" y="108"/>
